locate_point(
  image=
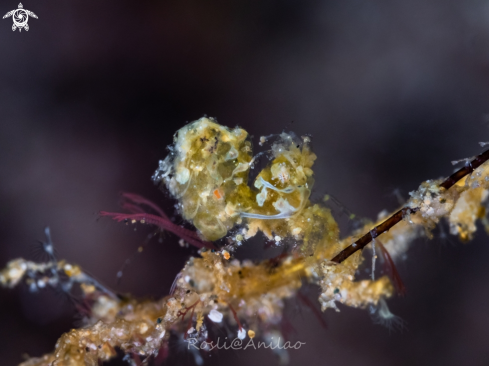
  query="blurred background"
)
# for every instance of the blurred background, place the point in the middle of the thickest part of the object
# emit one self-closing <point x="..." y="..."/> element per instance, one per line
<point x="390" y="92"/>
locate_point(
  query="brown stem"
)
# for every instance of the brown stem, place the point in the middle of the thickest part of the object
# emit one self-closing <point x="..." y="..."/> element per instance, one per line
<point x="466" y="170"/>
<point x="398" y="216"/>
<point x="235" y="317"/>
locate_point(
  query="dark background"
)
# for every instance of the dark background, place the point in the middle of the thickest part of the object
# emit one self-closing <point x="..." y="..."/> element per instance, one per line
<point x="390" y="91"/>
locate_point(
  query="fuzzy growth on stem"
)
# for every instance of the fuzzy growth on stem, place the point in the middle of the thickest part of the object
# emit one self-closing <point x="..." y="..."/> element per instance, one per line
<point x="207" y="172"/>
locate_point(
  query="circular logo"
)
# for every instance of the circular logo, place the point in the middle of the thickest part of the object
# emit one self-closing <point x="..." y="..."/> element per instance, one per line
<point x="20" y="17"/>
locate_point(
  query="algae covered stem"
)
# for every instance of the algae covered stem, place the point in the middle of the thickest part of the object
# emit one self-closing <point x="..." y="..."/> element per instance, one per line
<point x="207" y="172"/>
<point x="405" y="211"/>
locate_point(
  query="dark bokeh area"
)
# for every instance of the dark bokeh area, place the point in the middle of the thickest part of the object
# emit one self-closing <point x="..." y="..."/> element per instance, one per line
<point x="390" y="92"/>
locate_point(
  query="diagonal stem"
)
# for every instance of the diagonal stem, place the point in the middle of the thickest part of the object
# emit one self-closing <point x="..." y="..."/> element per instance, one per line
<point x="398" y="216"/>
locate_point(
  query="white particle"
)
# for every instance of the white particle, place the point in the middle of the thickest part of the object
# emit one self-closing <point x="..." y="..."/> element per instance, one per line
<point x="215" y="316"/>
<point x="242" y="333"/>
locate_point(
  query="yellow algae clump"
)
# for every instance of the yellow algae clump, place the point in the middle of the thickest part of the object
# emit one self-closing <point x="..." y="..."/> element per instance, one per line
<point x="207" y="171"/>
<point x="466" y="211"/>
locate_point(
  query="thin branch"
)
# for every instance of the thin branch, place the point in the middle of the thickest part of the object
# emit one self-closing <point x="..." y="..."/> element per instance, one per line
<point x="236" y="317"/>
<point x="189" y="236"/>
<point x="391" y="269"/>
<point x="310" y="305"/>
<point x="398" y="216"/>
<point x="466" y="170"/>
<point x="136" y="198"/>
<point x="372" y="234"/>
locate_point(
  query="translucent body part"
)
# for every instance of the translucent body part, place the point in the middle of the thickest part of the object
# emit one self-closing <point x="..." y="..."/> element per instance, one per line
<point x="207" y="172"/>
<point x="383" y="316"/>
